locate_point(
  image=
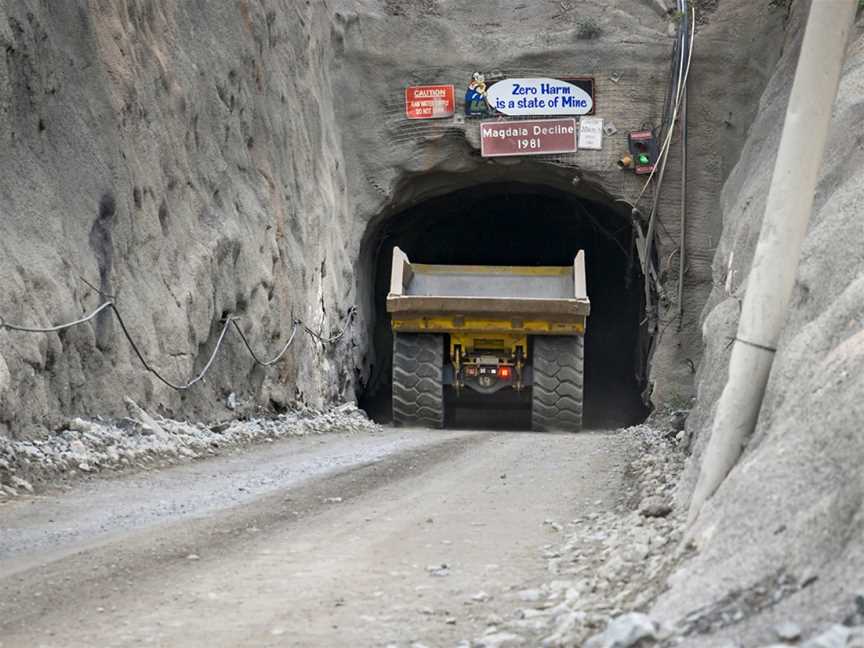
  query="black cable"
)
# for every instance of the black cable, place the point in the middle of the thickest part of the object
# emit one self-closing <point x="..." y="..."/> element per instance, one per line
<point x="275" y="359"/>
<point x="331" y="340"/>
<point x="54" y="329"/>
<point x="228" y="322"/>
<point x="153" y="371"/>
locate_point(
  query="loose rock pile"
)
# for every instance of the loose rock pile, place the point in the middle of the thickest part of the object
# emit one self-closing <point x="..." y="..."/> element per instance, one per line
<point x="609" y="563"/>
<point x="141" y="440"/>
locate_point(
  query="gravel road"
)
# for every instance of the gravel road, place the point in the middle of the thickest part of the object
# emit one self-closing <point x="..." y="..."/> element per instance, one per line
<point x="380" y="539"/>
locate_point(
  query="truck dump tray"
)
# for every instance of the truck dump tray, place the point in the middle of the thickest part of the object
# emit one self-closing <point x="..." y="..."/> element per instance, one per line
<point x="542" y="295"/>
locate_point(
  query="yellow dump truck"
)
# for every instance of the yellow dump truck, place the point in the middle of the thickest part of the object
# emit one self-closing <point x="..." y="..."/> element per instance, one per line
<point x="488" y="328"/>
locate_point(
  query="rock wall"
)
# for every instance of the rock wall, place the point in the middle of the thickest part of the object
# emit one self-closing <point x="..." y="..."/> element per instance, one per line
<point x="792" y="507"/>
<point x="183" y="159"/>
<point x="196" y="159"/>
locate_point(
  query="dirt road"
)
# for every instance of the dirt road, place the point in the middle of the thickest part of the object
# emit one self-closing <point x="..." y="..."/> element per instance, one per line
<point x="369" y="540"/>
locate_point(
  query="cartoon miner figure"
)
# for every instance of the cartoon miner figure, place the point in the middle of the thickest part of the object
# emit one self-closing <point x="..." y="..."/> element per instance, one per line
<point x="475" y="96"/>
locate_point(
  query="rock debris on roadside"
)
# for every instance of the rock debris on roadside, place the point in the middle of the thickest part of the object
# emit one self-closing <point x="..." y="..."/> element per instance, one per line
<point x="606" y="564"/>
<point x="142" y="440"/>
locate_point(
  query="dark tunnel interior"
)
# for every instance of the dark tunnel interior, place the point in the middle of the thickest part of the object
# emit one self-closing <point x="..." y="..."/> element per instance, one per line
<point x="518" y="224"/>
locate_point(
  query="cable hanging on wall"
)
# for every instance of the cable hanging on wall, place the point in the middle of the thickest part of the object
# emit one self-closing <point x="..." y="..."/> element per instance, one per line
<point x="228" y="322"/>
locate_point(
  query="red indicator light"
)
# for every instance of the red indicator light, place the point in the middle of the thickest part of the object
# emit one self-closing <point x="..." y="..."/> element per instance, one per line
<point x="504" y="372"/>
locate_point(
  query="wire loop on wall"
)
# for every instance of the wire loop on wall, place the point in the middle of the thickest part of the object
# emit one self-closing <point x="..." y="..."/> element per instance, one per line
<point x="228" y="322"/>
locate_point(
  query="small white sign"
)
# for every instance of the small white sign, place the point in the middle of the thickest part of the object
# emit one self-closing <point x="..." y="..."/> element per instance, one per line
<point x="591" y="133"/>
<point x="538" y="96"/>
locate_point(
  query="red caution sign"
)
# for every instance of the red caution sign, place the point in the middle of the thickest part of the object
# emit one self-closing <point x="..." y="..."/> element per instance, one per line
<point x="430" y="102"/>
<point x="528" y="137"/>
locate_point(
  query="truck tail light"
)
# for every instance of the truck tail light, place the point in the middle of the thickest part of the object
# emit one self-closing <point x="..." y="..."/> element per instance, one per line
<point x="504" y="372"/>
<point x="471" y="371"/>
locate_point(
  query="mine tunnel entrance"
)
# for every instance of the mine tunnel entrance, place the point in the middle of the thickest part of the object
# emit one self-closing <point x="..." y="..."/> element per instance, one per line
<point x="530" y="225"/>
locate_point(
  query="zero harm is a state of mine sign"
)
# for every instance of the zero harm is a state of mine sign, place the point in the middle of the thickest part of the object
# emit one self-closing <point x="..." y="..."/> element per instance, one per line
<point x="528" y="137"/>
<point x="542" y="96"/>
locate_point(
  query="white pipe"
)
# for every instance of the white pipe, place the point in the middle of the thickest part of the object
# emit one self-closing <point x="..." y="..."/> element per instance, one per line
<point x="775" y="264"/>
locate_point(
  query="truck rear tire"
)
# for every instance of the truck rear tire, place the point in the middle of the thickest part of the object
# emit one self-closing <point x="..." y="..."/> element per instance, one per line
<point x="418" y="379"/>
<point x="556" y="398"/>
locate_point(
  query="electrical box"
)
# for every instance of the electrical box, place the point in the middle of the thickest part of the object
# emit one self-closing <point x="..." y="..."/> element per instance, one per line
<point x="644" y="149"/>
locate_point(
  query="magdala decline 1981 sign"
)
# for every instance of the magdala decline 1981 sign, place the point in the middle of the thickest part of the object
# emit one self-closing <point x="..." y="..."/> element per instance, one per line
<point x="528" y="137"/>
<point x="430" y="102"/>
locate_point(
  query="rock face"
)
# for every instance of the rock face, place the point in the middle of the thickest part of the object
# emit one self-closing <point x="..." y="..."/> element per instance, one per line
<point x="792" y="505"/>
<point x="195" y="161"/>
<point x="184" y="160"/>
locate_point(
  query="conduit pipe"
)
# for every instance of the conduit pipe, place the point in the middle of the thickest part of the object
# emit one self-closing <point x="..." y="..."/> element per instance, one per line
<point x="787" y="214"/>
<point x="682" y="236"/>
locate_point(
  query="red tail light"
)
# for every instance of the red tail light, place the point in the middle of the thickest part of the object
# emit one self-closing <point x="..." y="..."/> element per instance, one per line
<point x="504" y="372"/>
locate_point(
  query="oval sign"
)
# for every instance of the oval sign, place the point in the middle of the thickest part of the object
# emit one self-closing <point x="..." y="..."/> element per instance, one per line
<point x="538" y="96"/>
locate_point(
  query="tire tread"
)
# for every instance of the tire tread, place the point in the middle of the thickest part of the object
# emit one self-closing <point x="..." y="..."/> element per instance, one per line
<point x="418" y="377"/>
<point x="557" y="392"/>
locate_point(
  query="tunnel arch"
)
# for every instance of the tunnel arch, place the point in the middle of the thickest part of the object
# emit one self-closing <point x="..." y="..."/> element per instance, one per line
<point x="534" y="220"/>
